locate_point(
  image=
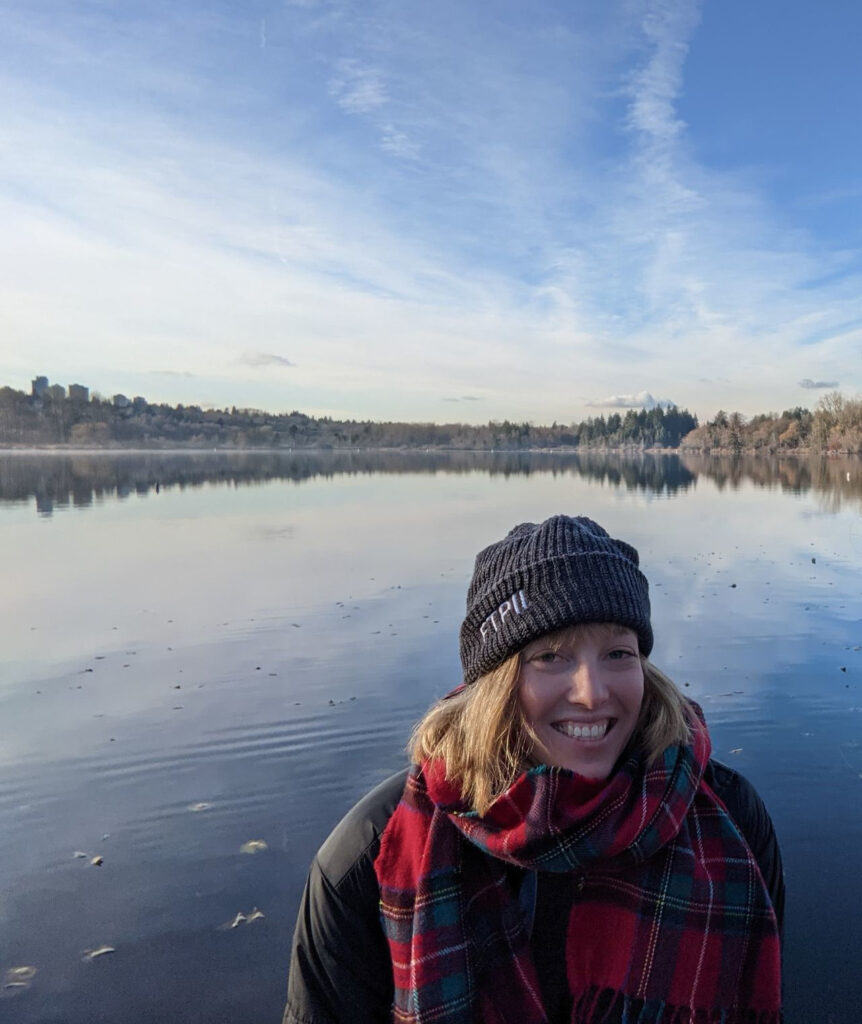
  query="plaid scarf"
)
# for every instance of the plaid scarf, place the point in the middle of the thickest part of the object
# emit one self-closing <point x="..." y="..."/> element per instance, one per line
<point x="672" y="923"/>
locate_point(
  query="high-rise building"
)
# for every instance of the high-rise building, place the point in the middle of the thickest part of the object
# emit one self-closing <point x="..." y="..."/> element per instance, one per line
<point x="39" y="387"/>
<point x="57" y="392"/>
<point x="79" y="393"/>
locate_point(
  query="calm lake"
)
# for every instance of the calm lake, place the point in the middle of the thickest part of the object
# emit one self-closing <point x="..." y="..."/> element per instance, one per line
<point x="205" y="659"/>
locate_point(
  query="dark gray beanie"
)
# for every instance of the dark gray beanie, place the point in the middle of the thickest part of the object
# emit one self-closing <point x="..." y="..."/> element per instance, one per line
<point x="542" y="577"/>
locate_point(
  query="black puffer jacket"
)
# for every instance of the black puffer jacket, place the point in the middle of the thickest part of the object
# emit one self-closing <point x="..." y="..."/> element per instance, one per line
<point x="340" y="972"/>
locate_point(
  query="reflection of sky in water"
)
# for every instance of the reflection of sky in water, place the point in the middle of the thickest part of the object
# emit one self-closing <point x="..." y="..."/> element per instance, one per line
<point x="205" y="557"/>
<point x="273" y="644"/>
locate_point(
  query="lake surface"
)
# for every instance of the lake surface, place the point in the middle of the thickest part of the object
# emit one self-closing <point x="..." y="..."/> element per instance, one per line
<point x="199" y="652"/>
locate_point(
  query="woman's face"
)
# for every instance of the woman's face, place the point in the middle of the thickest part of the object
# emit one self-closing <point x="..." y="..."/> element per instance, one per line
<point x="582" y="696"/>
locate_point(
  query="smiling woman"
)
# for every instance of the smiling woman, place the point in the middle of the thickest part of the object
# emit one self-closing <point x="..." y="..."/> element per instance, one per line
<point x="563" y="848"/>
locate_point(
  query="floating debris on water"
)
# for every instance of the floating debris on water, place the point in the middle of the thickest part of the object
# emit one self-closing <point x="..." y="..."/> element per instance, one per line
<point x="97" y="862"/>
<point x="253" y="846"/>
<point x="201" y="806"/>
<point x="253" y="915"/>
<point x="18" y="977"/>
<point x="93" y="954"/>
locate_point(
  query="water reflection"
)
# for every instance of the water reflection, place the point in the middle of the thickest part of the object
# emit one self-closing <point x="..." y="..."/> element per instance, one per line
<point x="839" y="479"/>
<point x="59" y="481"/>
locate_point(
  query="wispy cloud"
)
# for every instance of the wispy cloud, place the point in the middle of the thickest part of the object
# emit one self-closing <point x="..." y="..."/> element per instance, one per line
<point x="263" y="359"/>
<point x="667" y="27"/>
<point x="816" y="385"/>
<point x="464" y="398"/>
<point x="398" y="143"/>
<point x="642" y="400"/>
<point x="357" y="87"/>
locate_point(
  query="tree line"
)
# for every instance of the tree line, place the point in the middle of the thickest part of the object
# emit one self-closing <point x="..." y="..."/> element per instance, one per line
<point x="834" y="425"/>
<point x="25" y="420"/>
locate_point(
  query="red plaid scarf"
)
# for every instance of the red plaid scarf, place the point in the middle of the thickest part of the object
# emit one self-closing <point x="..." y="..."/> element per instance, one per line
<point x="673" y="923"/>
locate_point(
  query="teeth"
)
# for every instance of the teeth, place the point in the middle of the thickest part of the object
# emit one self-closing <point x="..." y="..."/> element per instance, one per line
<point x="586" y="732"/>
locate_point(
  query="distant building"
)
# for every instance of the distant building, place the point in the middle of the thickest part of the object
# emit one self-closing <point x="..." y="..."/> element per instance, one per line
<point x="79" y="393"/>
<point x="57" y="392"/>
<point x="121" y="402"/>
<point x="39" y="387"/>
<point x="139" y="403"/>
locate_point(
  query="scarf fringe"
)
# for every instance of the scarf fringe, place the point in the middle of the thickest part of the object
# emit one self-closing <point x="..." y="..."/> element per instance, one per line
<point x="599" y="1006"/>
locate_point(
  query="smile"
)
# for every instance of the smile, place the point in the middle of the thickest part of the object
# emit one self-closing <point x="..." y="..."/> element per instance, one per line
<point x="584" y="730"/>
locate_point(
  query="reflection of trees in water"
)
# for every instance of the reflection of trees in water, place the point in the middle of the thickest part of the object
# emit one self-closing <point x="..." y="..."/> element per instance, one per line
<point x="834" y="480"/>
<point x="58" y="481"/>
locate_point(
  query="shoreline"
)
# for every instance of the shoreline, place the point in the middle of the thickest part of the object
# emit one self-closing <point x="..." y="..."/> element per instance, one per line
<point x="65" y="449"/>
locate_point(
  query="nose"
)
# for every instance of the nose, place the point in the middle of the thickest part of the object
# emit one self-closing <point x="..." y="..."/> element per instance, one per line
<point x="587" y="687"/>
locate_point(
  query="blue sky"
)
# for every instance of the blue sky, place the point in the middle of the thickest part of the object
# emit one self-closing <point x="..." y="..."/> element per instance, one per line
<point x="447" y="211"/>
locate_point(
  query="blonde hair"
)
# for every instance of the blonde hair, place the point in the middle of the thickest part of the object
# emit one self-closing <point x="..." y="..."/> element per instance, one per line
<point x="484" y="739"/>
